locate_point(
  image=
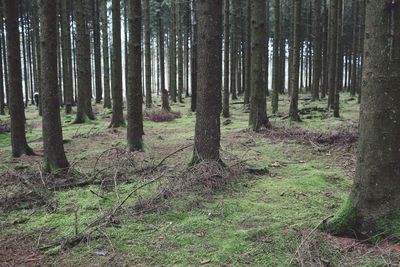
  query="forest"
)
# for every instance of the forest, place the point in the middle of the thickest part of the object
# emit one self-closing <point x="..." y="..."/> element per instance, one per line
<point x="200" y="132"/>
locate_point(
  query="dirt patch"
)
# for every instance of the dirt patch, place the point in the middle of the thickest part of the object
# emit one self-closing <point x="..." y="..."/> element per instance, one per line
<point x="161" y="116"/>
<point x="4" y="126"/>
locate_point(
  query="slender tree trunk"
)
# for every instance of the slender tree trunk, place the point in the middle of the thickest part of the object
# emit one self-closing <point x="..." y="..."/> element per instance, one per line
<point x="164" y="92"/>
<point x="2" y="95"/>
<point x="134" y="96"/>
<point x="37" y="45"/>
<point x="117" y="119"/>
<point x="207" y="130"/>
<point x="83" y="64"/>
<point x="317" y="51"/>
<point x="97" y="51"/>
<point x="333" y="10"/>
<point x="172" y="53"/>
<point x="186" y="45"/>
<point x="266" y="64"/>
<point x="362" y="34"/>
<point x="247" y="83"/>
<point x="325" y="51"/>
<point x="234" y="49"/>
<point x="67" y="57"/>
<point x="16" y="106"/>
<point x="54" y="156"/>
<point x="293" y="113"/>
<point x="180" y="51"/>
<point x="3" y="43"/>
<point x="258" y="107"/>
<point x="147" y="52"/>
<point x="194" y="56"/>
<point x="339" y="58"/>
<point x="353" y="79"/>
<point x="106" y="58"/>
<point x="29" y="44"/>
<point x="276" y="68"/>
<point x="225" y="107"/>
<point x="24" y="59"/>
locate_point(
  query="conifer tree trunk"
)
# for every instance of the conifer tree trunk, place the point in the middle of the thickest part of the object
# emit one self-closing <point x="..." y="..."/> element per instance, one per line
<point x="83" y="64"/>
<point x="66" y="57"/>
<point x="276" y="68"/>
<point x="24" y="59"/>
<point x="147" y="52"/>
<point x="293" y="113"/>
<point x="180" y="51"/>
<point x="317" y="51"/>
<point x="164" y="93"/>
<point x="247" y="85"/>
<point x="325" y="51"/>
<point x="16" y="106"/>
<point x="54" y="156"/>
<point x="234" y="48"/>
<point x="225" y="102"/>
<point x="172" y="52"/>
<point x="258" y="107"/>
<point x="134" y="92"/>
<point x="106" y="58"/>
<point x="361" y="36"/>
<point x="339" y="58"/>
<point x="375" y="192"/>
<point x="333" y="10"/>
<point x="207" y="130"/>
<point x="186" y="45"/>
<point x="353" y="79"/>
<point x="266" y="64"/>
<point x="29" y="44"/>
<point x="97" y="51"/>
<point x="37" y="48"/>
<point x="194" y="56"/>
<point x="2" y="95"/>
<point x="117" y="119"/>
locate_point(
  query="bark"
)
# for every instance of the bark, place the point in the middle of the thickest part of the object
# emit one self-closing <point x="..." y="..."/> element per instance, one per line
<point x="134" y="92"/>
<point x="207" y="130"/>
<point x="180" y="51"/>
<point x="375" y="192"/>
<point x="293" y="113"/>
<point x="258" y="107"/>
<point x="53" y="148"/>
<point x="325" y="51"/>
<point x="164" y="92"/>
<point x="2" y="95"/>
<point x="333" y="10"/>
<point x="16" y="106"/>
<point x="83" y="64"/>
<point x="24" y="59"/>
<point x="194" y="56"/>
<point x="106" y="58"/>
<point x="247" y="88"/>
<point x="66" y="57"/>
<point x="37" y="47"/>
<point x="97" y="51"/>
<point x="362" y="34"/>
<point x="276" y="68"/>
<point x="317" y="51"/>
<point x="339" y="59"/>
<point x="147" y="52"/>
<point x="172" y="52"/>
<point x="4" y="58"/>
<point x="117" y="119"/>
<point x="353" y="79"/>
<point x="225" y="107"/>
<point x="234" y="48"/>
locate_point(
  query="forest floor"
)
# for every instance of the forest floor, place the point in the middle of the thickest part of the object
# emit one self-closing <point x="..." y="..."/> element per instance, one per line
<point x="115" y="208"/>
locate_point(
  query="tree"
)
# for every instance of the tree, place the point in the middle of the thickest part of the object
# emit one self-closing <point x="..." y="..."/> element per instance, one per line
<point x="134" y="92"/>
<point x="180" y="51"/>
<point x="66" y="57"/>
<point x="276" y="69"/>
<point x="225" y="106"/>
<point x="83" y="64"/>
<point x="317" y="51"/>
<point x="97" y="50"/>
<point x="172" y="52"/>
<point x="2" y="96"/>
<point x="375" y="192"/>
<point x="294" y="99"/>
<point x="333" y="10"/>
<point x="258" y="107"/>
<point x="194" y="56"/>
<point x="117" y="119"/>
<point x="339" y="59"/>
<point x="353" y="79"/>
<point x="106" y="58"/>
<point x="54" y="156"/>
<point x="147" y="51"/>
<point x="247" y="55"/>
<point x="207" y="129"/>
<point x="234" y="48"/>
<point x="37" y="49"/>
<point x="164" y="93"/>
<point x="16" y="105"/>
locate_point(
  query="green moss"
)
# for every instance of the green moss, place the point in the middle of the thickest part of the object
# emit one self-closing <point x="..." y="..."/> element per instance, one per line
<point x="345" y="219"/>
<point x="388" y="227"/>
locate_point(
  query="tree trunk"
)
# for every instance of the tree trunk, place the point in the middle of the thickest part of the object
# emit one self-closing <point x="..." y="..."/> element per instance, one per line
<point x="225" y="107"/>
<point x="97" y="51"/>
<point x="353" y="79"/>
<point x="293" y="113"/>
<point x="362" y="33"/>
<point x="339" y="59"/>
<point x="317" y="51"/>
<point x="164" y="92"/>
<point x="172" y="53"/>
<point x="117" y="119"/>
<point x="37" y="46"/>
<point x="134" y="92"/>
<point x="276" y="68"/>
<point x="207" y="130"/>
<point x="106" y="58"/>
<point x="247" y="85"/>
<point x="180" y="51"/>
<point x="2" y="95"/>
<point x="234" y="48"/>
<point x="375" y="192"/>
<point x="53" y="148"/>
<point x="333" y="10"/>
<point x="258" y="107"/>
<point x="83" y="64"/>
<point x="194" y="56"/>
<point x="66" y="57"/>
<point x="24" y="59"/>
<point x="16" y="105"/>
<point x="325" y="51"/>
<point x="147" y="52"/>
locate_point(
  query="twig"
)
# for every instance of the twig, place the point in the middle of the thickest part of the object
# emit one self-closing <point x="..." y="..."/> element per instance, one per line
<point x="305" y="239"/>
<point x="76" y="218"/>
<point x="100" y="196"/>
<point x="171" y="154"/>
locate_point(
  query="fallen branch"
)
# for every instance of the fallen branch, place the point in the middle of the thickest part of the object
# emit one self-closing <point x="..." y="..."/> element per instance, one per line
<point x="169" y="155"/>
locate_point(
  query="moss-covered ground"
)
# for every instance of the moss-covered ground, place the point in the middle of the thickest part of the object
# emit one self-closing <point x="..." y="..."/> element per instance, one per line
<point x="260" y="220"/>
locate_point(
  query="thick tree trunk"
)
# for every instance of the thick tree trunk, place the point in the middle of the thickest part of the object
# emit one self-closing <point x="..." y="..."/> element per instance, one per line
<point x="117" y="119"/>
<point x="106" y="58"/>
<point x="258" y="107"/>
<point x="147" y="52"/>
<point x="194" y="56"/>
<point x="134" y="93"/>
<point x="293" y="113"/>
<point x="225" y="107"/>
<point x="83" y="64"/>
<point x="53" y="148"/>
<point x="276" y="68"/>
<point x="16" y="105"/>
<point x="375" y="193"/>
<point x="207" y="130"/>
